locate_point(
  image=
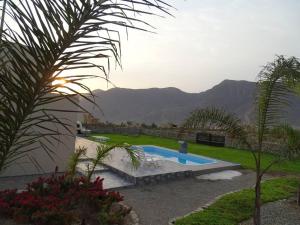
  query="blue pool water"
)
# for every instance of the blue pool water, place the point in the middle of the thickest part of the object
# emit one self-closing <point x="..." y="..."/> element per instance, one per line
<point x="160" y="153"/>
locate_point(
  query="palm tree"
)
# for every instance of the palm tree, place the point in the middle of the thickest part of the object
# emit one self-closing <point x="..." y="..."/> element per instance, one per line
<point x="277" y="81"/>
<point x="102" y="152"/>
<point x="42" y="44"/>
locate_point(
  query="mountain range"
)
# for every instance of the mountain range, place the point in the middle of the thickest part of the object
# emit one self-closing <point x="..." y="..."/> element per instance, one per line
<point x="171" y="105"/>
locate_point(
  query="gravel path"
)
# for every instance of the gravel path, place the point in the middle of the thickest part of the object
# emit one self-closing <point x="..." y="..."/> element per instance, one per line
<point x="158" y="204"/>
<point x="284" y="212"/>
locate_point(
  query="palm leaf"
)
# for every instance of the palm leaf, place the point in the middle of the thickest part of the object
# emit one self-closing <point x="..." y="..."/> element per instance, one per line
<point x="217" y="119"/>
<point x="103" y="151"/>
<point x="2" y="13"/>
<point x="39" y="40"/>
<point x="277" y="82"/>
<point x="74" y="160"/>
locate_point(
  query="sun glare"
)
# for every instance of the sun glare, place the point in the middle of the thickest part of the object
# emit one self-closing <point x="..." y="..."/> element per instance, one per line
<point x="60" y="82"/>
<point x="61" y="85"/>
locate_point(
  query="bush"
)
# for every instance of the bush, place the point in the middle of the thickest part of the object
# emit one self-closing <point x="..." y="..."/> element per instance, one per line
<point x="60" y="200"/>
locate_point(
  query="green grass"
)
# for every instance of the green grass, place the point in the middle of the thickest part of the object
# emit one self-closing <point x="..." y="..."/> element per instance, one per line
<point x="242" y="157"/>
<point x="236" y="207"/>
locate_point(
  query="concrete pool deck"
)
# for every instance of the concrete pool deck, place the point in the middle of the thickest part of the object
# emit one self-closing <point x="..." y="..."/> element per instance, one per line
<point x="153" y="171"/>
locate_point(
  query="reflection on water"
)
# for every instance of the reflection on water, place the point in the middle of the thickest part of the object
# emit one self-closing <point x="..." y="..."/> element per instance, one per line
<point x="173" y="159"/>
<point x="182" y="161"/>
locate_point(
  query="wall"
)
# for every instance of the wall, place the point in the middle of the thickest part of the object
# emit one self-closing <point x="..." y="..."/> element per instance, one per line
<point x="271" y="146"/>
<point x="62" y="151"/>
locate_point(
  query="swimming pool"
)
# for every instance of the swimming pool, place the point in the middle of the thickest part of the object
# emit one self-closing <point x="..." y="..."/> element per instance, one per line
<point x="160" y="153"/>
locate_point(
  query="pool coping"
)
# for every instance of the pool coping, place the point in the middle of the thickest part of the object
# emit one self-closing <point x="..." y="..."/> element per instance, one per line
<point x="179" y="170"/>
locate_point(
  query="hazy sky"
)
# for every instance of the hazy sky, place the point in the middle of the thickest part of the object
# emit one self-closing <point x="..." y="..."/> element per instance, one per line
<point x="208" y="41"/>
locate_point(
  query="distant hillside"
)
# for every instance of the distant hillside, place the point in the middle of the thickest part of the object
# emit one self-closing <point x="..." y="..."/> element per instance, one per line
<point x="161" y="105"/>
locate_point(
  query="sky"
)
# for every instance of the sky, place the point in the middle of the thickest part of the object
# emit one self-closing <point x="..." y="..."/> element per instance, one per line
<point x="206" y="42"/>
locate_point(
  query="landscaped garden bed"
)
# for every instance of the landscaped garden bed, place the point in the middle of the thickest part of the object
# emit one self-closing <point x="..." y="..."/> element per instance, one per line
<point x="63" y="200"/>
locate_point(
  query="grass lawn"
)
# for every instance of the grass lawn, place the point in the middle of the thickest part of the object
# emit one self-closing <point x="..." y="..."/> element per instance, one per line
<point x="242" y="157"/>
<point x="236" y="207"/>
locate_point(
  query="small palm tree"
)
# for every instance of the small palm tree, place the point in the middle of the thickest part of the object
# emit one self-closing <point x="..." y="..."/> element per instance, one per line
<point x="277" y="81"/>
<point x="42" y="44"/>
<point x="102" y="152"/>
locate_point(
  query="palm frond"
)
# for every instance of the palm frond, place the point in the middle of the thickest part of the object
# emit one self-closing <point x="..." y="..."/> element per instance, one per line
<point x="41" y="40"/>
<point x="213" y="118"/>
<point x="2" y="13"/>
<point x="277" y="82"/>
<point x="74" y="160"/>
<point x="103" y="151"/>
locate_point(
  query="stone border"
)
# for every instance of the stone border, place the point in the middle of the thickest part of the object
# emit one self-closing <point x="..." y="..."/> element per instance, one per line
<point x="152" y="179"/>
<point x="133" y="218"/>
<point x="158" y="178"/>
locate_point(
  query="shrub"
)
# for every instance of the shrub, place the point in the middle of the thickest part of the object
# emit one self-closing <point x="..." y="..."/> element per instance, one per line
<point x="60" y="200"/>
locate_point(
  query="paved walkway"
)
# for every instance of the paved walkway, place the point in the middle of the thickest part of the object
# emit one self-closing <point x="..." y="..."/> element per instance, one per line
<point x="158" y="204"/>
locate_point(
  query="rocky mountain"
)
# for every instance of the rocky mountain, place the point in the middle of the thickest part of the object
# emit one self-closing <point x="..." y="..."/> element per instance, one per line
<point x="162" y="105"/>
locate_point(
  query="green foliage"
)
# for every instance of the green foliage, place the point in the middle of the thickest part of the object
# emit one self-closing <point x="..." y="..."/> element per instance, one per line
<point x="290" y="139"/>
<point x="277" y="81"/>
<point x="74" y="160"/>
<point x="213" y="118"/>
<point x="117" y="217"/>
<point x="42" y="44"/>
<point x="103" y="151"/>
<point x="236" y="207"/>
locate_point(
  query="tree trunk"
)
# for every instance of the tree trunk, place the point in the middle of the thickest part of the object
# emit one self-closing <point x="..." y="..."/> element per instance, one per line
<point x="298" y="199"/>
<point x="257" y="205"/>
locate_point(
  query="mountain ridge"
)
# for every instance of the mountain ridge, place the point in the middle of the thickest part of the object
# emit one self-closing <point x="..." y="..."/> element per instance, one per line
<point x="163" y="105"/>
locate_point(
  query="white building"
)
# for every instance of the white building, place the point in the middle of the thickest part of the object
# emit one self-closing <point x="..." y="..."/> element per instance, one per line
<point x="62" y="151"/>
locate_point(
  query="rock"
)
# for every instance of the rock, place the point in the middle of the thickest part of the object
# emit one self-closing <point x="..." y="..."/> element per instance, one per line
<point x="224" y="175"/>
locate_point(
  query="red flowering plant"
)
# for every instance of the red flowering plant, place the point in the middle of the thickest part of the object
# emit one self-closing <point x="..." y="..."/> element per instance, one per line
<point x="6" y="197"/>
<point x="58" y="200"/>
